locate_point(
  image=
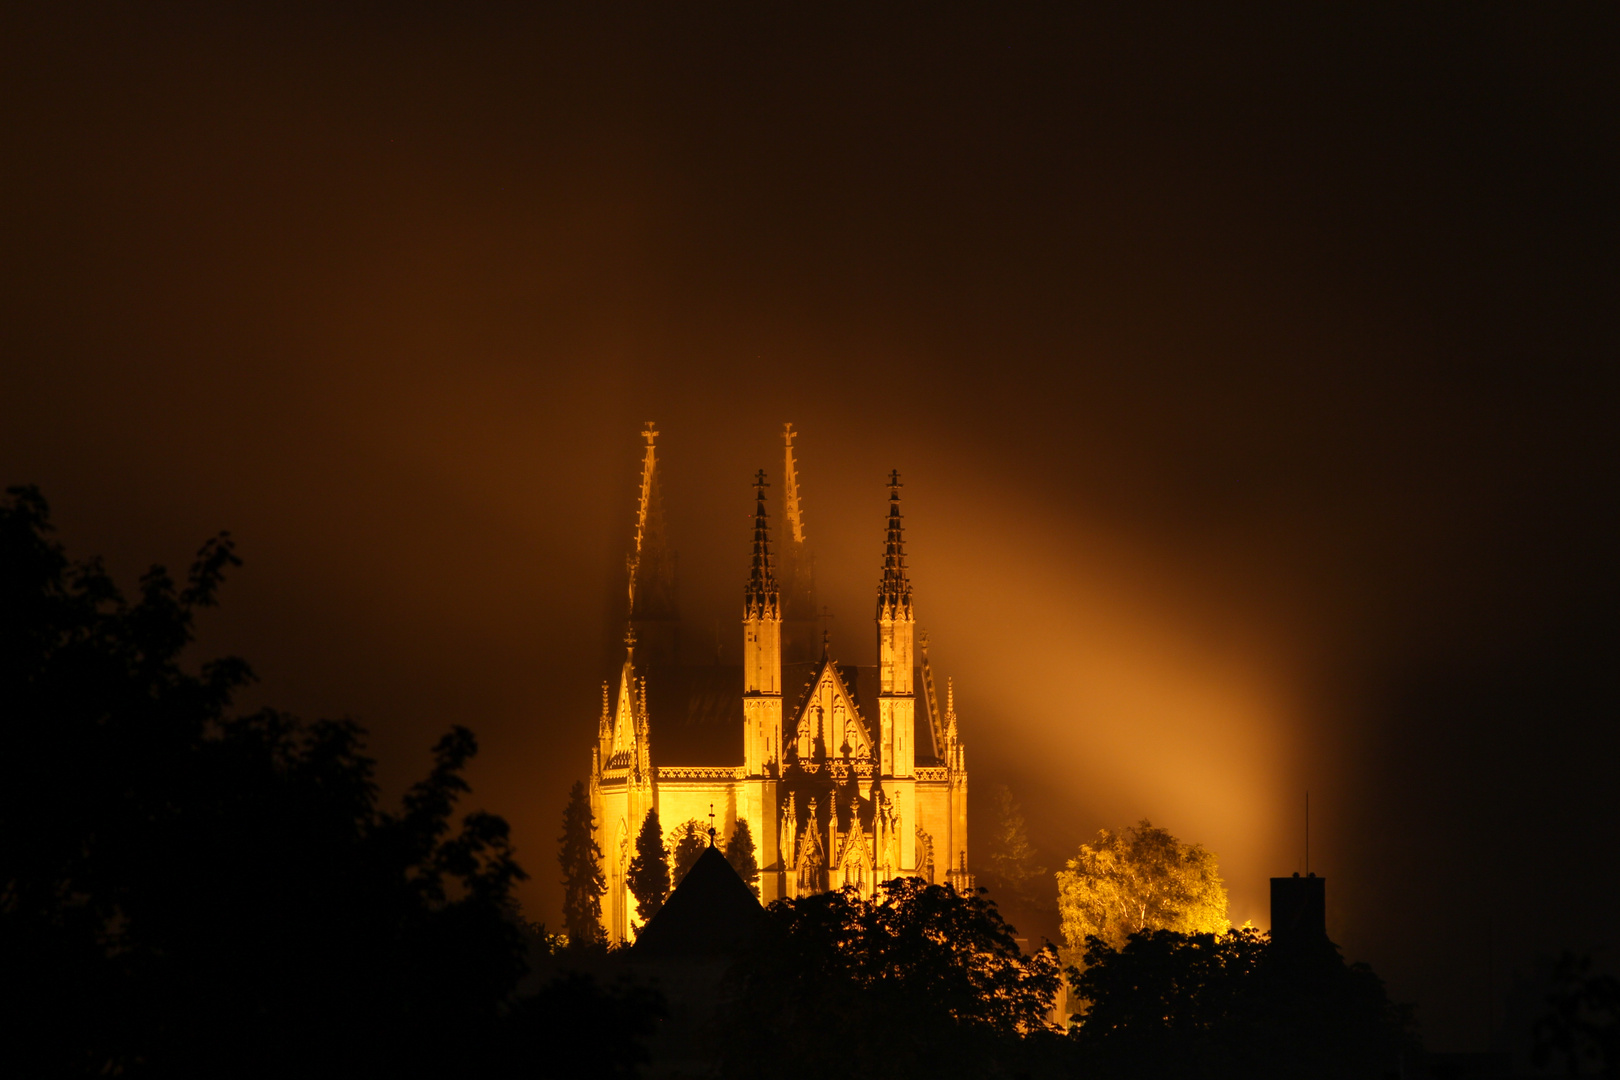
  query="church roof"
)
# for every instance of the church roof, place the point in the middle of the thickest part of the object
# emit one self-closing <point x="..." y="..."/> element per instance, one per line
<point x="711" y="911"/>
<point x="696" y="713"/>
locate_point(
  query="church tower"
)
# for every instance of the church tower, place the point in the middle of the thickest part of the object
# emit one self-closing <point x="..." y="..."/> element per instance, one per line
<point x="762" y="694"/>
<point x="762" y="651"/>
<point x="897" y="705"/>
<point x="857" y="777"/>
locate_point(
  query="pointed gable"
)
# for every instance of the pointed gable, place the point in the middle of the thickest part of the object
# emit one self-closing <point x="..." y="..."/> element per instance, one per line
<point x="624" y="715"/>
<point x="828" y="718"/>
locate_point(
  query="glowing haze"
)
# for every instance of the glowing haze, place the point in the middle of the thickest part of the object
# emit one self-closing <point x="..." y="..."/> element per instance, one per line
<point x="1251" y="383"/>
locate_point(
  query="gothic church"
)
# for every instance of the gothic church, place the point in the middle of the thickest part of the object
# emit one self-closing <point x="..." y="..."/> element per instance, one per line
<point x="853" y="776"/>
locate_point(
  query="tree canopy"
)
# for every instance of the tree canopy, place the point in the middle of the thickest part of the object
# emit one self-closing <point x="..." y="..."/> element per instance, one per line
<point x="1138" y="880"/>
<point x="1235" y="1006"/>
<point x="185" y="891"/>
<point x="921" y="980"/>
<point x="1582" y="1023"/>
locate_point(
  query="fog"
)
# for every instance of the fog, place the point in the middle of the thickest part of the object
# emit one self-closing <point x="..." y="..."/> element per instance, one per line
<point x="1251" y="386"/>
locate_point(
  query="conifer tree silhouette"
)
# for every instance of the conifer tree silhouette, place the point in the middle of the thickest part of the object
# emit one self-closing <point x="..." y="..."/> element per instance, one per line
<point x="581" y="859"/>
<point x="740" y="853"/>
<point x="649" y="870"/>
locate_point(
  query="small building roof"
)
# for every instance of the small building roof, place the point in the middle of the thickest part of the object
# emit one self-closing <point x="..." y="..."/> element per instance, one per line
<point x="711" y="912"/>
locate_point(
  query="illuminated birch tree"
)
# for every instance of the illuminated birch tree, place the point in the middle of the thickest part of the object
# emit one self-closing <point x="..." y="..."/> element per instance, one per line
<point x="1141" y="879"/>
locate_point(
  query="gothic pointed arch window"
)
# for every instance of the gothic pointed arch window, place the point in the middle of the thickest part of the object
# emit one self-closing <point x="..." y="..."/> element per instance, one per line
<point x="805" y="738"/>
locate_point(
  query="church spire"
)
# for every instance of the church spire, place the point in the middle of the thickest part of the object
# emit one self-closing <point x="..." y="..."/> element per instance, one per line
<point x="894" y="591"/>
<point x="653" y="609"/>
<point x="648" y="508"/>
<point x="760" y="597"/>
<point x="795" y="567"/>
<point x="762" y="651"/>
<point x="790" y="490"/>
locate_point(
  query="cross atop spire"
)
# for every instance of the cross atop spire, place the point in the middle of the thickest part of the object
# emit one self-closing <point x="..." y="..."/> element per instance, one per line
<point x="760" y="597"/>
<point x="894" y="592"/>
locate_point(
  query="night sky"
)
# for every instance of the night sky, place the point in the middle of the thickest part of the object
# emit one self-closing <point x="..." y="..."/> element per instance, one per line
<point x="1252" y="380"/>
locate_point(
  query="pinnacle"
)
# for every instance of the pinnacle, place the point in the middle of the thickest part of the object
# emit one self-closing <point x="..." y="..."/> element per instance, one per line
<point x="894" y="592"/>
<point x="760" y="596"/>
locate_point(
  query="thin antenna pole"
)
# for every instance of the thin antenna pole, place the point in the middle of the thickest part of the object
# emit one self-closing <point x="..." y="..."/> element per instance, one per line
<point x="1490" y="981"/>
<point x="1307" y="833"/>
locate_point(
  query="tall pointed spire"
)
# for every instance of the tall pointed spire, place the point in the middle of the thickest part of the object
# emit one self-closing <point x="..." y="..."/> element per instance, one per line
<point x="795" y="567"/>
<point x="790" y="488"/>
<point x="894" y="591"/>
<point x="646" y="503"/>
<point x="652" y="571"/>
<point x="760" y="597"/>
<point x="651" y="564"/>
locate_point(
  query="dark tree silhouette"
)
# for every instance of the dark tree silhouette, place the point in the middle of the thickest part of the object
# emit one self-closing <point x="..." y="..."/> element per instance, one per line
<point x="921" y="981"/>
<point x="188" y="892"/>
<point x="576" y="1027"/>
<point x="740" y="854"/>
<point x="1582" y="1023"/>
<point x="691" y="841"/>
<point x="649" y="870"/>
<point x="1232" y="1005"/>
<point x="581" y="860"/>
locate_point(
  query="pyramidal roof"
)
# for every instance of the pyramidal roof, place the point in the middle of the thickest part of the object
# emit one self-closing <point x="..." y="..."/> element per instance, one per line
<point x="711" y="911"/>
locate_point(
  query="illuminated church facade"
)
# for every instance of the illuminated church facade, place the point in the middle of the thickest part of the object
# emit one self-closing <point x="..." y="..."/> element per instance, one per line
<point x="846" y="775"/>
